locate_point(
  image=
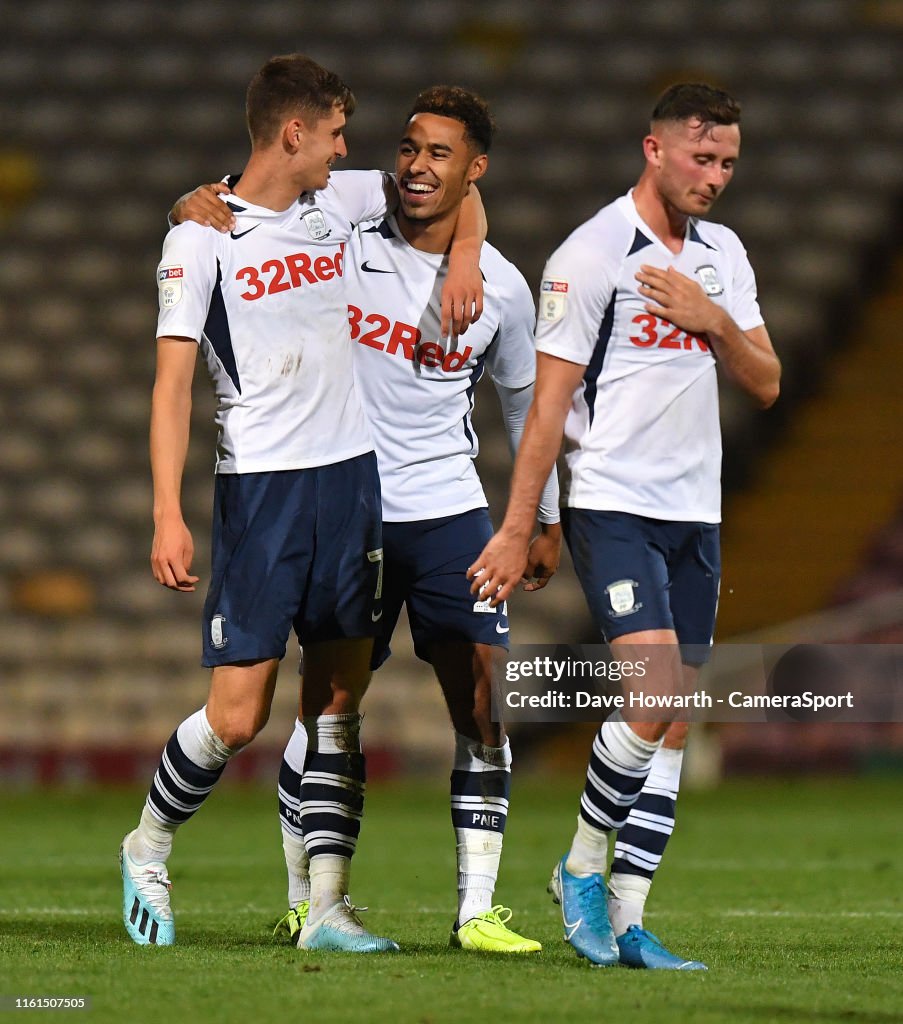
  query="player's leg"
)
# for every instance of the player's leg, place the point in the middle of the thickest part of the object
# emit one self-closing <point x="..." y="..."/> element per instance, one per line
<point x="695" y="572"/>
<point x="480" y="790"/>
<point x="257" y="570"/>
<point x="336" y="623"/>
<point x="193" y="760"/>
<point x="332" y="792"/>
<point x="463" y="639"/>
<point x="291" y="771"/>
<point x="624" y="577"/>
<point x="641" y="842"/>
<point x="425" y="566"/>
<point x="292" y="768"/>
<point x="297" y="861"/>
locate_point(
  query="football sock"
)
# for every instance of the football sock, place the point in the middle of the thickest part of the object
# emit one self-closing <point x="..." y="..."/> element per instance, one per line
<point x="588" y="854"/>
<point x="618" y="766"/>
<point x="329" y="881"/>
<point x="642" y="840"/>
<point x="480" y="789"/>
<point x="297" y="862"/>
<point x="331" y="804"/>
<point x="193" y="760"/>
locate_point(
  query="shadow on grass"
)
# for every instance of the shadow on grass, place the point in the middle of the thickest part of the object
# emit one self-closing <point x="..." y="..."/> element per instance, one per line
<point x="792" y="1013"/>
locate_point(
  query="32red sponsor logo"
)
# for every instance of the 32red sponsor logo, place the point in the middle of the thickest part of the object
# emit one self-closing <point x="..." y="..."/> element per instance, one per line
<point x="281" y="275"/>
<point x="656" y="333"/>
<point x="399" y="337"/>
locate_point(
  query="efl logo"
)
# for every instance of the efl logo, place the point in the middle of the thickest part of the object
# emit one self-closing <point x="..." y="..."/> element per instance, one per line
<point x="292" y="272"/>
<point x="169" y="283"/>
<point x="403" y="337"/>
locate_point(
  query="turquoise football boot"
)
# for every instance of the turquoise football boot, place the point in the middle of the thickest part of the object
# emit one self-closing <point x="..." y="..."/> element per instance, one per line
<point x="340" y="930"/>
<point x="146" y="911"/>
<point x="639" y="948"/>
<point x="584" y="912"/>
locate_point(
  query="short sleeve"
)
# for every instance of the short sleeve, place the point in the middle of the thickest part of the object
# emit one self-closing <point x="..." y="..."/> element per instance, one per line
<point x="361" y="194"/>
<point x="511" y="359"/>
<point x="744" y="301"/>
<point x="186" y="278"/>
<point x="577" y="286"/>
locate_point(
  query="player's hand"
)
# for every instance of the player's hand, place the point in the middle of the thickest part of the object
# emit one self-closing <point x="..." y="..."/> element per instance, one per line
<point x="498" y="569"/>
<point x="172" y="554"/>
<point x="204" y="208"/>
<point x="462" y="298"/>
<point x="678" y="299"/>
<point x="543" y="557"/>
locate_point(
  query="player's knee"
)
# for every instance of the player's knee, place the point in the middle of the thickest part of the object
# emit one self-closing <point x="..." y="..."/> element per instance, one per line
<point x="676" y="736"/>
<point x="238" y="730"/>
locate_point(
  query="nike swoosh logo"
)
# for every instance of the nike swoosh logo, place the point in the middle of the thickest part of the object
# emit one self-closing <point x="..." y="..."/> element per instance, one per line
<point x="374" y="617"/>
<point x="241" y="234"/>
<point x="568" y="935"/>
<point x="499" y="628"/>
<point x="374" y="270"/>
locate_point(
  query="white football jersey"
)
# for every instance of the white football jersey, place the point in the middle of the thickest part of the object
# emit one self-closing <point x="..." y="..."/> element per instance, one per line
<point x="268" y="304"/>
<point x="643" y="433"/>
<point x="417" y="387"/>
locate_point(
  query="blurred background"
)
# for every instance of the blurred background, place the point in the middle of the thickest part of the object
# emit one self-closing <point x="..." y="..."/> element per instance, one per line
<point x="112" y="109"/>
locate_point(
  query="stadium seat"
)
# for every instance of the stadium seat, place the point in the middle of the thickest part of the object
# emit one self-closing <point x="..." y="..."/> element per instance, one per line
<point x="143" y="103"/>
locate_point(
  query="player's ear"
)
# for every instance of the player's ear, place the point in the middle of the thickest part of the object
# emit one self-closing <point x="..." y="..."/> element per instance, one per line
<point x="478" y="167"/>
<point x="293" y="132"/>
<point x="652" y="149"/>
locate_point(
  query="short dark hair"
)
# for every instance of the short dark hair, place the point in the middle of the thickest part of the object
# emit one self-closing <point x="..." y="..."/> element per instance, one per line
<point x="291" y="84"/>
<point x="461" y="105"/>
<point x="688" y="101"/>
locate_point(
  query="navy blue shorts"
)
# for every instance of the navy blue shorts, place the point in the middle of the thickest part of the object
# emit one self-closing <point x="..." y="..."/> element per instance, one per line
<point x="639" y="574"/>
<point x="297" y="548"/>
<point x="425" y="566"/>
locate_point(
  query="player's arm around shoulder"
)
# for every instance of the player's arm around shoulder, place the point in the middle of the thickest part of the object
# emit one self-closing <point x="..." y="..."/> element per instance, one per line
<point x="462" y="291"/>
<point x="204" y="206"/>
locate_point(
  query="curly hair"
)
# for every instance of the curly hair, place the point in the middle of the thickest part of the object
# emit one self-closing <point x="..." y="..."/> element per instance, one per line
<point x="461" y="105"/>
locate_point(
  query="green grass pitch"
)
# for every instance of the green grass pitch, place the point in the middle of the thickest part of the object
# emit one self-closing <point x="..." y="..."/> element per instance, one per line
<point x="791" y="892"/>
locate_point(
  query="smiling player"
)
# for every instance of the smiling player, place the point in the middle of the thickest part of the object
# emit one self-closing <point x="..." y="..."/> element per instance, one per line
<point x="297" y="524"/>
<point x="418" y="390"/>
<point x="636" y="307"/>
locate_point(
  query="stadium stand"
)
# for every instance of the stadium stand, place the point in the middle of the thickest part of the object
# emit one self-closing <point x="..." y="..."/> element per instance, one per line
<point x="110" y="111"/>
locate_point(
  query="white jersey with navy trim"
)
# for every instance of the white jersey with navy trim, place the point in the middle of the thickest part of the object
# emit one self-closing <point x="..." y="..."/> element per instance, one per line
<point x="417" y="387"/>
<point x="268" y="304"/>
<point x="643" y="433"/>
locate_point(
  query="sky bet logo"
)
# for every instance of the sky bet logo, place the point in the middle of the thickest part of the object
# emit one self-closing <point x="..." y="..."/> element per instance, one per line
<point x="399" y="337"/>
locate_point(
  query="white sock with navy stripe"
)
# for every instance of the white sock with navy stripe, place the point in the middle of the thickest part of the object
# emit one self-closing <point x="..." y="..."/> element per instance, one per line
<point x="618" y="766"/>
<point x="297" y="862"/>
<point x="642" y="841"/>
<point x="480" y="789"/>
<point x="331" y="805"/>
<point x="192" y="762"/>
